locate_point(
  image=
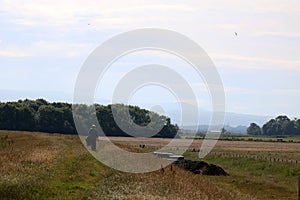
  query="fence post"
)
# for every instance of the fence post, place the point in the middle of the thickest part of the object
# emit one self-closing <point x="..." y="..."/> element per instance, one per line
<point x="298" y="187"/>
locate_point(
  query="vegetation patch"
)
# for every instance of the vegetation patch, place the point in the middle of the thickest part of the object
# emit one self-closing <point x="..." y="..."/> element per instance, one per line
<point x="70" y="172"/>
<point x="5" y="141"/>
<point x="201" y="167"/>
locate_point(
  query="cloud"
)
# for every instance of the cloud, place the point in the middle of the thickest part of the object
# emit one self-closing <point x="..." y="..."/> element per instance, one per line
<point x="278" y="6"/>
<point x="47" y="48"/>
<point x="286" y="91"/>
<point x="24" y="22"/>
<point x="56" y="12"/>
<point x="13" y="53"/>
<point x="279" y="34"/>
<point x="233" y="89"/>
<point x="256" y="63"/>
<point x="60" y="48"/>
<point x="119" y="15"/>
<point x="259" y="6"/>
<point x="227" y="26"/>
<point x="71" y="11"/>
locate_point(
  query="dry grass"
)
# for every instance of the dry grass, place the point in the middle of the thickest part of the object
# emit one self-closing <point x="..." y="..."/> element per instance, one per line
<point x="52" y="166"/>
<point x="176" y="184"/>
<point x="223" y="145"/>
<point x="44" y="166"/>
<point x="45" y="155"/>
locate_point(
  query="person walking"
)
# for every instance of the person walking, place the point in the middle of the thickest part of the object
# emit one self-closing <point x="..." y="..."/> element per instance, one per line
<point x="92" y="137"/>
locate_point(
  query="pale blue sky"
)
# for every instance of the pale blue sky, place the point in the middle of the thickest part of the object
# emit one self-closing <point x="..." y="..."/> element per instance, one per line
<point x="44" y="43"/>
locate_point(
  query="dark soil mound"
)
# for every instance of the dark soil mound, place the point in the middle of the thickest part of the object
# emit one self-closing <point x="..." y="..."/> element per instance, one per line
<point x="201" y="167"/>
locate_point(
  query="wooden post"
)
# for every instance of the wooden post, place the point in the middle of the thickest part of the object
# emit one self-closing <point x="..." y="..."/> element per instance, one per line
<point x="299" y="188"/>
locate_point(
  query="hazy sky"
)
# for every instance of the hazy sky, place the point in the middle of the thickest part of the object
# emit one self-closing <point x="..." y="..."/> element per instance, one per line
<point x="44" y="43"/>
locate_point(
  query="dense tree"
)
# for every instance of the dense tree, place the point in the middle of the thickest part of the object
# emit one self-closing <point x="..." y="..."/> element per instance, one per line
<point x="25" y="119"/>
<point x="40" y="115"/>
<point x="223" y="131"/>
<point x="254" y="129"/>
<point x="296" y="126"/>
<point x="8" y="116"/>
<point x="270" y="128"/>
<point x="281" y="125"/>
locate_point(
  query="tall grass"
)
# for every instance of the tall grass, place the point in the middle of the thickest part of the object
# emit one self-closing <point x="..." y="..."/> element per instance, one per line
<point x="43" y="166"/>
<point x="5" y="141"/>
<point x="175" y="184"/>
<point x="260" y="178"/>
<point x="49" y="166"/>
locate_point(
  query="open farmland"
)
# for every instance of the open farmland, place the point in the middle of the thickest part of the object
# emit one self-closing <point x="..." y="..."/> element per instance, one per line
<point x="258" y="150"/>
<point x="53" y="166"/>
<point x="223" y="145"/>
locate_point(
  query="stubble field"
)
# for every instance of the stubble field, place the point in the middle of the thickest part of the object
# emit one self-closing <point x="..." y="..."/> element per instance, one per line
<point x="54" y="166"/>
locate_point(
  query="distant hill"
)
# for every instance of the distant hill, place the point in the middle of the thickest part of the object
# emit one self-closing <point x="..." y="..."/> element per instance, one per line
<point x="234" y="121"/>
<point x="231" y="129"/>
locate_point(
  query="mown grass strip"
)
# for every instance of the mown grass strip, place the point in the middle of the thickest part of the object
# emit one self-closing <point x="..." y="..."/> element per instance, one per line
<point x="260" y="178"/>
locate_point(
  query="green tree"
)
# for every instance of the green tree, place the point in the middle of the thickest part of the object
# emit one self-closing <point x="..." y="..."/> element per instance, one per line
<point x="223" y="131"/>
<point x="270" y="128"/>
<point x="8" y="116"/>
<point x="281" y="125"/>
<point x="25" y="119"/>
<point x="50" y="119"/>
<point x="254" y="129"/>
<point x="284" y="125"/>
<point x="40" y="115"/>
<point x="296" y="126"/>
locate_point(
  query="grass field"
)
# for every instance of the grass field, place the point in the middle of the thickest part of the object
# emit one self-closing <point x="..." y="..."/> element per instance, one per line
<point x="52" y="166"/>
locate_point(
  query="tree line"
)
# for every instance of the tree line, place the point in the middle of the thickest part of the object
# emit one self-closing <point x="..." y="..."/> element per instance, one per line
<point x="281" y="125"/>
<point x="57" y="117"/>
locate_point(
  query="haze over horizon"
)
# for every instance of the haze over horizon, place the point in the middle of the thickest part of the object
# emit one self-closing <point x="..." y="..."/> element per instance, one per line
<point x="43" y="45"/>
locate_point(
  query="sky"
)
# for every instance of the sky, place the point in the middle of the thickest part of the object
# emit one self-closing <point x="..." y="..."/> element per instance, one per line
<point x="43" y="45"/>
